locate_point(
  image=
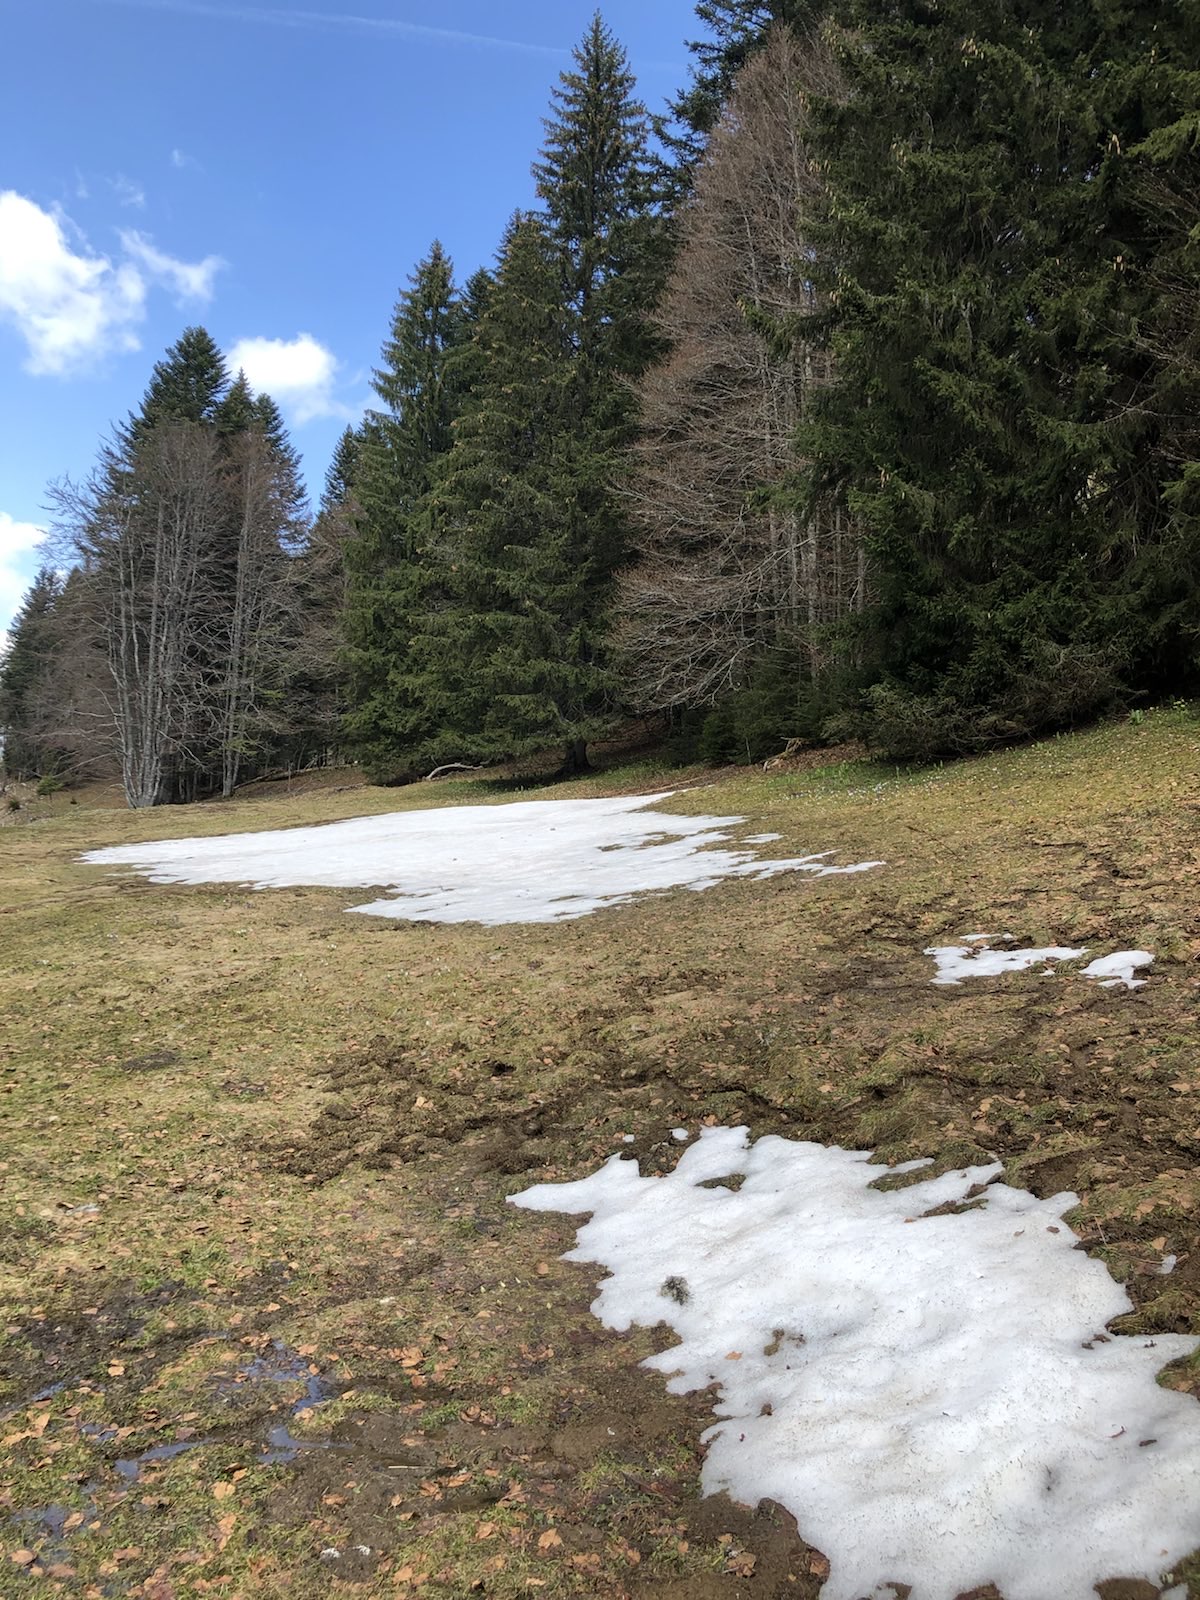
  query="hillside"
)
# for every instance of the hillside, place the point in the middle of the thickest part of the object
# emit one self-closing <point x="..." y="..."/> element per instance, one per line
<point x="271" y="1324"/>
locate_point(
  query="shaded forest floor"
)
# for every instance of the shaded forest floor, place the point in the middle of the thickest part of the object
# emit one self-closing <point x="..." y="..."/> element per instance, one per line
<point x="270" y="1327"/>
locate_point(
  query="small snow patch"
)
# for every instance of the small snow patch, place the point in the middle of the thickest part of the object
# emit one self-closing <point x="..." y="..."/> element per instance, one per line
<point x="925" y="1393"/>
<point x="975" y="958"/>
<point x="529" y="861"/>
<point x="1112" y="971"/>
<point x="958" y="961"/>
<point x="681" y="1134"/>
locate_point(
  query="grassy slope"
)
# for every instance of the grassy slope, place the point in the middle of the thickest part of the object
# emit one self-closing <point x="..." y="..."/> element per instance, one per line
<point x="241" y="1127"/>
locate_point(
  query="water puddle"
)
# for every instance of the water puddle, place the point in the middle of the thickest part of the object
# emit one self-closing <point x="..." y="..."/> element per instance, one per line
<point x="282" y="1446"/>
<point x="40" y="1398"/>
<point x="48" y="1519"/>
<point x="279" y="1364"/>
<point x="51" y="1526"/>
<point x="131" y="1470"/>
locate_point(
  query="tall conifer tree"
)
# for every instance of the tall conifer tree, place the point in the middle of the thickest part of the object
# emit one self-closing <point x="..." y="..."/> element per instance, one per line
<point x="981" y="422"/>
<point x="516" y="658"/>
<point x="595" y="182"/>
<point x="392" y="566"/>
<point x="24" y="669"/>
<point x="341" y="472"/>
<point x="182" y="536"/>
<point x="527" y="495"/>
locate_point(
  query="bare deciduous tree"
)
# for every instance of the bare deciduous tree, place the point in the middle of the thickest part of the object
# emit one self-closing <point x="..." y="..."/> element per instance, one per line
<point x="186" y="595"/>
<point x="726" y="568"/>
<point x="142" y="528"/>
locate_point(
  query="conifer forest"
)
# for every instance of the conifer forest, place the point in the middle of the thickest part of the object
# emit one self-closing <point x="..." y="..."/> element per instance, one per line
<point x="856" y="394"/>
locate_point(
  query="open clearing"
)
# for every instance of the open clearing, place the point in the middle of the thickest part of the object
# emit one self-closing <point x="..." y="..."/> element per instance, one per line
<point x="271" y="1327"/>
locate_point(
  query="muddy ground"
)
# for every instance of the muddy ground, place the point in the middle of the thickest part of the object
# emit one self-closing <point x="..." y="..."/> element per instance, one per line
<point x="272" y="1328"/>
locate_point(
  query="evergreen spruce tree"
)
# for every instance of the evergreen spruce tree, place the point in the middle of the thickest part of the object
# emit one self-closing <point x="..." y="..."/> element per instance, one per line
<point x="532" y="530"/>
<point x="341" y="472"/>
<point x="268" y="420"/>
<point x="515" y="658"/>
<point x="235" y="412"/>
<point x="981" y="424"/>
<point x="188" y="384"/>
<point x="255" y="599"/>
<point x="1152" y="85"/>
<point x="595" y="181"/>
<point x="149" y="529"/>
<point x="315" y="693"/>
<point x="183" y="536"/>
<point x="392" y="569"/>
<point x="24" y="669"/>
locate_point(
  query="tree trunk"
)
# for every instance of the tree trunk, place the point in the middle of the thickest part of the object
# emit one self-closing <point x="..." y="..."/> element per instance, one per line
<point x="575" y="759"/>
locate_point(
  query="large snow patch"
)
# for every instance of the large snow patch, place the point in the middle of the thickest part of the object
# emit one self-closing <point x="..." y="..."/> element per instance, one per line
<point x="532" y="861"/>
<point x="934" y="1398"/>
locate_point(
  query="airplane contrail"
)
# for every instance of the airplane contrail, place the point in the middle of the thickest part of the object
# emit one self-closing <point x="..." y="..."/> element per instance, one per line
<point x="333" y="19"/>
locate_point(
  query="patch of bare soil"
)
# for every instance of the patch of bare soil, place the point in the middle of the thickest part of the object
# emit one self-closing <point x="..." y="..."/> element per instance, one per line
<point x="610" y="1487"/>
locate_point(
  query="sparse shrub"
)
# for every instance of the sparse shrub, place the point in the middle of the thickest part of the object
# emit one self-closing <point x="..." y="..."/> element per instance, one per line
<point x="755" y="721"/>
<point x="1055" y="687"/>
<point x="50" y="783"/>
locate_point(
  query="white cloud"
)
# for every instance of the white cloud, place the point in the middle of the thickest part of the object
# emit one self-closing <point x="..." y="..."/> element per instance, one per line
<point x="128" y="191"/>
<point x="189" y="280"/>
<point x="17" y="539"/>
<point x="180" y="159"/>
<point x="299" y="373"/>
<point x="68" y="306"/>
<point x="72" y="305"/>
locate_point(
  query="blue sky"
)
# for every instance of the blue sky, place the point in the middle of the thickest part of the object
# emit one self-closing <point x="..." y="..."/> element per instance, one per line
<point x="271" y="171"/>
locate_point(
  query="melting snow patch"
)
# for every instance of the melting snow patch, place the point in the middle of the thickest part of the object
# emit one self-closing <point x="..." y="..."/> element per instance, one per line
<point x="928" y="1395"/>
<point x="974" y="958"/>
<point x="958" y="961"/>
<point x="1110" y="971"/>
<point x="533" y="861"/>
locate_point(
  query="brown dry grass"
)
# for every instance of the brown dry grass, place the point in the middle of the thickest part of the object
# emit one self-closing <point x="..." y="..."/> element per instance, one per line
<point x="244" y="1128"/>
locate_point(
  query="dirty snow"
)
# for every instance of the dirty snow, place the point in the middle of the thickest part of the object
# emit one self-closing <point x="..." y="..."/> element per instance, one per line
<point x="531" y="861"/>
<point x="958" y="961"/>
<point x="1119" y="969"/>
<point x="933" y="1397"/>
<point x="974" y="958"/>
